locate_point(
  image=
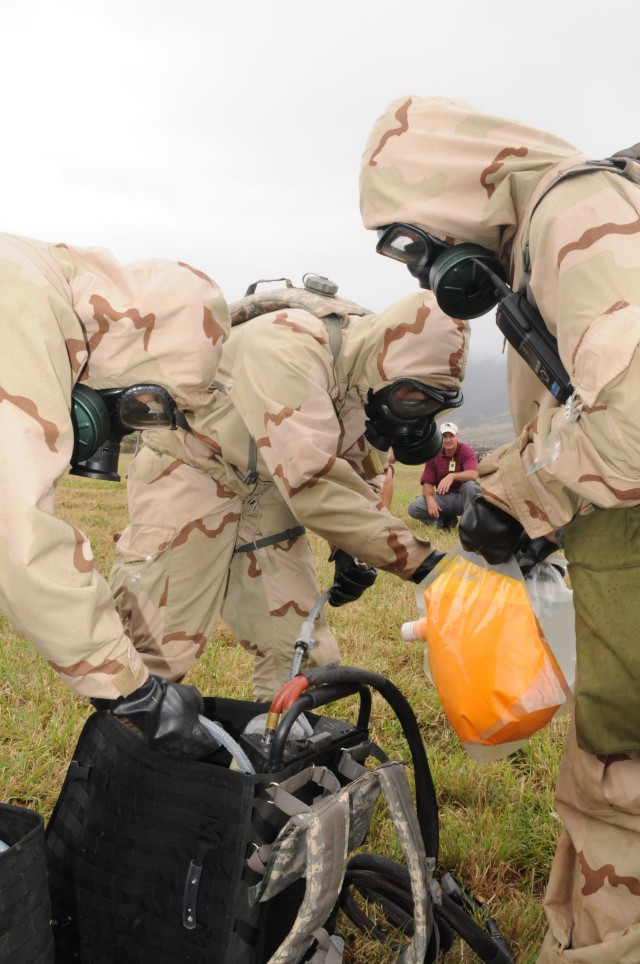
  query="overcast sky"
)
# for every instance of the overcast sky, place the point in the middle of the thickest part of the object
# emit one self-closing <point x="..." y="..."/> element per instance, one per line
<point x="229" y="134"/>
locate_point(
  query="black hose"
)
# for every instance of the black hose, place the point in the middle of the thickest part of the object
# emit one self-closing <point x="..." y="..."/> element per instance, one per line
<point x="387" y="884"/>
<point x="426" y="803"/>
<point x="310" y="700"/>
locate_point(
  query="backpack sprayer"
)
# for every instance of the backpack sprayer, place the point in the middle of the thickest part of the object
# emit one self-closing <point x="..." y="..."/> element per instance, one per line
<point x="396" y="890"/>
<point x="244" y="857"/>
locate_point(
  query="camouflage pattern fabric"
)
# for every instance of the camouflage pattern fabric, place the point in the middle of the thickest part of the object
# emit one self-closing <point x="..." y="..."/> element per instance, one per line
<point x="278" y="383"/>
<point x="72" y="315"/>
<point x="176" y="571"/>
<point x="593" y="898"/>
<point x="467" y="176"/>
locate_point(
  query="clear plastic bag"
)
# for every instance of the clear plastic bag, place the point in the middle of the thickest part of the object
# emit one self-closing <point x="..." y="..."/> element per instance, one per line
<point x="495" y="674"/>
<point x="552" y="602"/>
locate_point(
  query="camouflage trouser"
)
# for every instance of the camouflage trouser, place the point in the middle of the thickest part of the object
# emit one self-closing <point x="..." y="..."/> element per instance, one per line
<point x="176" y="571"/>
<point x="593" y="898"/>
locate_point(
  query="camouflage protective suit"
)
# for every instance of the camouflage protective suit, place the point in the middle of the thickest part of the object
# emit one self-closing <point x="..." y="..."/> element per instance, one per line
<point x="466" y="176"/>
<point x="71" y="315"/>
<point x="188" y="553"/>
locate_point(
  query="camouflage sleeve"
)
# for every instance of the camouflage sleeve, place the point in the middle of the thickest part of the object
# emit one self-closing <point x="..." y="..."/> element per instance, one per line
<point x="282" y="392"/>
<point x="367" y="462"/>
<point x="48" y="586"/>
<point x="585" y="249"/>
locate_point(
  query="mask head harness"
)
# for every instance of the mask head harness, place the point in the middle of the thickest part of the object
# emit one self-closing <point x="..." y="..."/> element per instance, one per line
<point x="102" y="418"/>
<point x="402" y="416"/>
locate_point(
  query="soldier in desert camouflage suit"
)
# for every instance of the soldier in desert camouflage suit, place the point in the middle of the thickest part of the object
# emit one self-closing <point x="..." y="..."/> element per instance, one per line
<point x="192" y="507"/>
<point x="464" y="176"/>
<point x="70" y="316"/>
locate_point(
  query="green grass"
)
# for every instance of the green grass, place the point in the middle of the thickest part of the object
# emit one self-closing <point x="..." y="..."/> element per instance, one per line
<point x="497" y="825"/>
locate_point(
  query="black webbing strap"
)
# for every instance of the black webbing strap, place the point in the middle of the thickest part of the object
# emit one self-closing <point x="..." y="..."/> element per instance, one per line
<point x="283" y="536"/>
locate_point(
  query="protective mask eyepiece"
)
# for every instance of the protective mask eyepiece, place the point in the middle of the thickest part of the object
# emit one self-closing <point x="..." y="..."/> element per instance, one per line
<point x="410" y="399"/>
<point x="411" y="246"/>
<point x="102" y="418"/>
<point x="143" y="407"/>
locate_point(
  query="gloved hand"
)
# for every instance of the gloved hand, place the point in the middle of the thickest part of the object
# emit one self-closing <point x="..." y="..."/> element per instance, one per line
<point x="350" y="580"/>
<point x="427" y="565"/>
<point x="166" y="714"/>
<point x="490" y="532"/>
<point x="534" y="551"/>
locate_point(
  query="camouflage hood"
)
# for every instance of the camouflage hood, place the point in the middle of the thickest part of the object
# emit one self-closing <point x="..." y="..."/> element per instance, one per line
<point x="455" y="172"/>
<point x="410" y="339"/>
<point x="151" y="321"/>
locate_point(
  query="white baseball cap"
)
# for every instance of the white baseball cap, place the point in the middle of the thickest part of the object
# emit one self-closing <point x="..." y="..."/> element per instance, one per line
<point x="449" y="427"/>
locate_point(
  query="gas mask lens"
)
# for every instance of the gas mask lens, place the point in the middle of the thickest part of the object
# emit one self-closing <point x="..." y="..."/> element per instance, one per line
<point x="403" y="243"/>
<point x="412" y="246"/>
<point x="412" y="400"/>
<point x="146" y="406"/>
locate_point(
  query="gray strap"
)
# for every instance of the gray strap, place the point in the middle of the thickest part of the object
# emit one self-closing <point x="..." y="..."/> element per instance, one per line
<point x="259" y="858"/>
<point x="330" y="948"/>
<point x="397" y="793"/>
<point x="333" y="325"/>
<point x="351" y="762"/>
<point x="252" y="476"/>
<point x="628" y="160"/>
<point x="283" y="536"/>
<point x="282" y="794"/>
<point x="326" y="839"/>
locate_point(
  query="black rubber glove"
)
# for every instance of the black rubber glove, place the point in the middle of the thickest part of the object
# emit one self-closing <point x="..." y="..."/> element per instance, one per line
<point x="534" y="551"/>
<point x="350" y="580"/>
<point x="490" y="532"/>
<point x="427" y="565"/>
<point x="167" y="716"/>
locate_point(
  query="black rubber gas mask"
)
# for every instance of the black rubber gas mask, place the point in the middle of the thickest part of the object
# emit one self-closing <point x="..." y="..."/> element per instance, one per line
<point x="456" y="273"/>
<point x="402" y="416"/>
<point x="102" y="418"/>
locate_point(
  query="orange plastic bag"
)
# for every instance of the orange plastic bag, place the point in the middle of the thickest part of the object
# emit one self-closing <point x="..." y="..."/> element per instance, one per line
<point x="494" y="672"/>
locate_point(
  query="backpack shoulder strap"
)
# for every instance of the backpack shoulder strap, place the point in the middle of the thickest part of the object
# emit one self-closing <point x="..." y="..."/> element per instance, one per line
<point x="628" y="162"/>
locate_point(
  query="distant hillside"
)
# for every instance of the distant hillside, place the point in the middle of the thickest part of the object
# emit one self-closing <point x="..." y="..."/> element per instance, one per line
<point x="484" y="419"/>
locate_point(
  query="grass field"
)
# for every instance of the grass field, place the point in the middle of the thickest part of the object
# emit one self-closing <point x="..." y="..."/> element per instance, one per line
<point x="498" y="828"/>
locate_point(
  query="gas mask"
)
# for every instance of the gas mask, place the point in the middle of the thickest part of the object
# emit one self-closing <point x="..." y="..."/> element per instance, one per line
<point x="402" y="416"/>
<point x="102" y="418"/>
<point x="456" y="273"/>
<point x="468" y="281"/>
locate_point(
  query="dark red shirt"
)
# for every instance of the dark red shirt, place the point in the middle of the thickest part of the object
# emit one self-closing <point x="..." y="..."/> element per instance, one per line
<point x="440" y="465"/>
